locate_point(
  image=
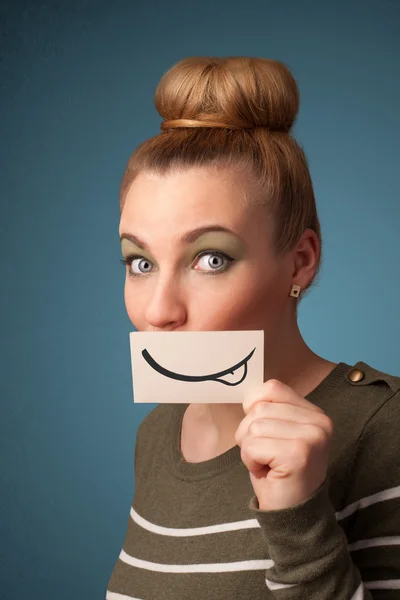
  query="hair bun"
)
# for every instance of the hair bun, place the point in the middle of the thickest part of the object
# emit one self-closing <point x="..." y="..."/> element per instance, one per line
<point x="238" y="91"/>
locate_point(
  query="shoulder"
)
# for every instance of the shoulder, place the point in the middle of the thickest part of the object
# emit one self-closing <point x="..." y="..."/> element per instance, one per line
<point x="379" y="391"/>
<point x="370" y="407"/>
<point x="383" y="395"/>
<point x="155" y="418"/>
<point x="362" y="375"/>
<point x="372" y="431"/>
<point x="155" y="424"/>
<point x="365" y="405"/>
<point x="152" y="431"/>
<point x="368" y="389"/>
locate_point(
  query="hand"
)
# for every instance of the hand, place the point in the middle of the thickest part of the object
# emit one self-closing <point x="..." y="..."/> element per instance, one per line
<point x="285" y="444"/>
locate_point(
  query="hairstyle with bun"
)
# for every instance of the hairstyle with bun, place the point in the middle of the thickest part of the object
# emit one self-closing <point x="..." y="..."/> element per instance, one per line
<point x="234" y="112"/>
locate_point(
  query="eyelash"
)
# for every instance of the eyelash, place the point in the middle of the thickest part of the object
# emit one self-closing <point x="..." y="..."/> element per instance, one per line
<point x="127" y="261"/>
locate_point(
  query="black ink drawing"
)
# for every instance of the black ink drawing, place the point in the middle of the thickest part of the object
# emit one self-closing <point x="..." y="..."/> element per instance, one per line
<point x="213" y="377"/>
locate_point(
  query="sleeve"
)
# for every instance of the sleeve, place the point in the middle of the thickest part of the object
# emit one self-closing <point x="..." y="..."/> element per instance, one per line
<point x="317" y="554"/>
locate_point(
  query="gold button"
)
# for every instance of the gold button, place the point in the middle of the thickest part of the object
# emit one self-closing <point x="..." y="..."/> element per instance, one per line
<point x="356" y="375"/>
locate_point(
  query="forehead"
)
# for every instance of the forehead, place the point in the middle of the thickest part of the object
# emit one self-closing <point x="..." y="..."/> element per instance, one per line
<point x="186" y="198"/>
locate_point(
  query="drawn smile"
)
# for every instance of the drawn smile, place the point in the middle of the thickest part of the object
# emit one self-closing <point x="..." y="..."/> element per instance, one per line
<point x="213" y="377"/>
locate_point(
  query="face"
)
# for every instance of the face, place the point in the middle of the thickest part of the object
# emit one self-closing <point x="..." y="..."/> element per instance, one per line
<point x="199" y="257"/>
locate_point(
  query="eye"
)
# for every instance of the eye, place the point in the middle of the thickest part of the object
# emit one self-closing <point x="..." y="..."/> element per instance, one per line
<point x="143" y="264"/>
<point x="212" y="261"/>
<point x="209" y="261"/>
<point x="137" y="265"/>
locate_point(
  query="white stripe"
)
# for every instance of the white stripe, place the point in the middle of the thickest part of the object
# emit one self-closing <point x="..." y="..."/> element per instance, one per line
<point x="243" y="565"/>
<point x="388" y="494"/>
<point x="359" y="593"/>
<point x="240" y="525"/>
<point x="272" y="585"/>
<point x="192" y="531"/>
<point x="115" y="596"/>
<point x="388" y="584"/>
<point x="381" y="541"/>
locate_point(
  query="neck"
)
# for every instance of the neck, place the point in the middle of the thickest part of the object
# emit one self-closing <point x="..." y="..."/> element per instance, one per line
<point x="291" y="361"/>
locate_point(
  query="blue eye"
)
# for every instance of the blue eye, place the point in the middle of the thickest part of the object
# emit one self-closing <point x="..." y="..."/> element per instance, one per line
<point x="216" y="261"/>
<point x="143" y="264"/>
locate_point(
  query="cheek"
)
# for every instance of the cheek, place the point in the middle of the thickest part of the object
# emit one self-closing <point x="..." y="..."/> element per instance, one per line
<point x="248" y="302"/>
<point x="134" y="302"/>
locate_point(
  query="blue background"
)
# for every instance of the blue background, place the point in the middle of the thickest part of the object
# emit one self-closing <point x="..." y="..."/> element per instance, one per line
<point x="77" y="86"/>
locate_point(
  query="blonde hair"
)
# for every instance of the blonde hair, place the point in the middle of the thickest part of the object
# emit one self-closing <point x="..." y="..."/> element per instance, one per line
<point x="250" y="105"/>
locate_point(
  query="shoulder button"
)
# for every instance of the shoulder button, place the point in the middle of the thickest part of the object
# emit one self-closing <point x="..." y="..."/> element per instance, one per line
<point x="361" y="374"/>
<point x="356" y="375"/>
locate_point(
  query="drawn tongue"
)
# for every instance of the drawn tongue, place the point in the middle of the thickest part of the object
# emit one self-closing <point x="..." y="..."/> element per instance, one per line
<point x="233" y="376"/>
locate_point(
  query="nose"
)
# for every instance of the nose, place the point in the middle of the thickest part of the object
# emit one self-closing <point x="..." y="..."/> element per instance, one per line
<point x="166" y="308"/>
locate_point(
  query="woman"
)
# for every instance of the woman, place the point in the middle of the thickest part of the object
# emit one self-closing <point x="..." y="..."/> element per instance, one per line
<point x="295" y="493"/>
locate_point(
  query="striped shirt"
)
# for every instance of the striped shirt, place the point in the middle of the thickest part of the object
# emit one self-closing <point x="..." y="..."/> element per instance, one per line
<point x="195" y="530"/>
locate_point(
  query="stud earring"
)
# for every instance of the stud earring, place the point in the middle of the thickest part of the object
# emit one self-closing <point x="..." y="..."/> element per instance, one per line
<point x="295" y="290"/>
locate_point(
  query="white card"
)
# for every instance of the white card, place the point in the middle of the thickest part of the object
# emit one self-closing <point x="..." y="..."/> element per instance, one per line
<point x="196" y="366"/>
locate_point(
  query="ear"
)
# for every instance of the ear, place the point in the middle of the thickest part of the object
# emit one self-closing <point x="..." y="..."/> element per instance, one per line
<point x="306" y="257"/>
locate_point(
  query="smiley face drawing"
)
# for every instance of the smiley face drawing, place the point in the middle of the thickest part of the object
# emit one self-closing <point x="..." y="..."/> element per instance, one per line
<point x="192" y="378"/>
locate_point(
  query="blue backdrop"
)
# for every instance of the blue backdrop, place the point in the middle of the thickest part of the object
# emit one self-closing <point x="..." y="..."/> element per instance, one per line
<point x="77" y="86"/>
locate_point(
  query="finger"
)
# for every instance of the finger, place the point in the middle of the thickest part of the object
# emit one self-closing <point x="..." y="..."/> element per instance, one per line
<point x="287" y="430"/>
<point x="274" y="390"/>
<point x="285" y="457"/>
<point x="283" y="412"/>
<point x="259" y="453"/>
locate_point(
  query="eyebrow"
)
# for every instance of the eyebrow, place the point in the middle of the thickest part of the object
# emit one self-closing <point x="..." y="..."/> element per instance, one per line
<point x="187" y="238"/>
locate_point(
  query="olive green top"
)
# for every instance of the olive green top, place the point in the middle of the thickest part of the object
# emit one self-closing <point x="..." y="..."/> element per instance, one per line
<point x="195" y="531"/>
